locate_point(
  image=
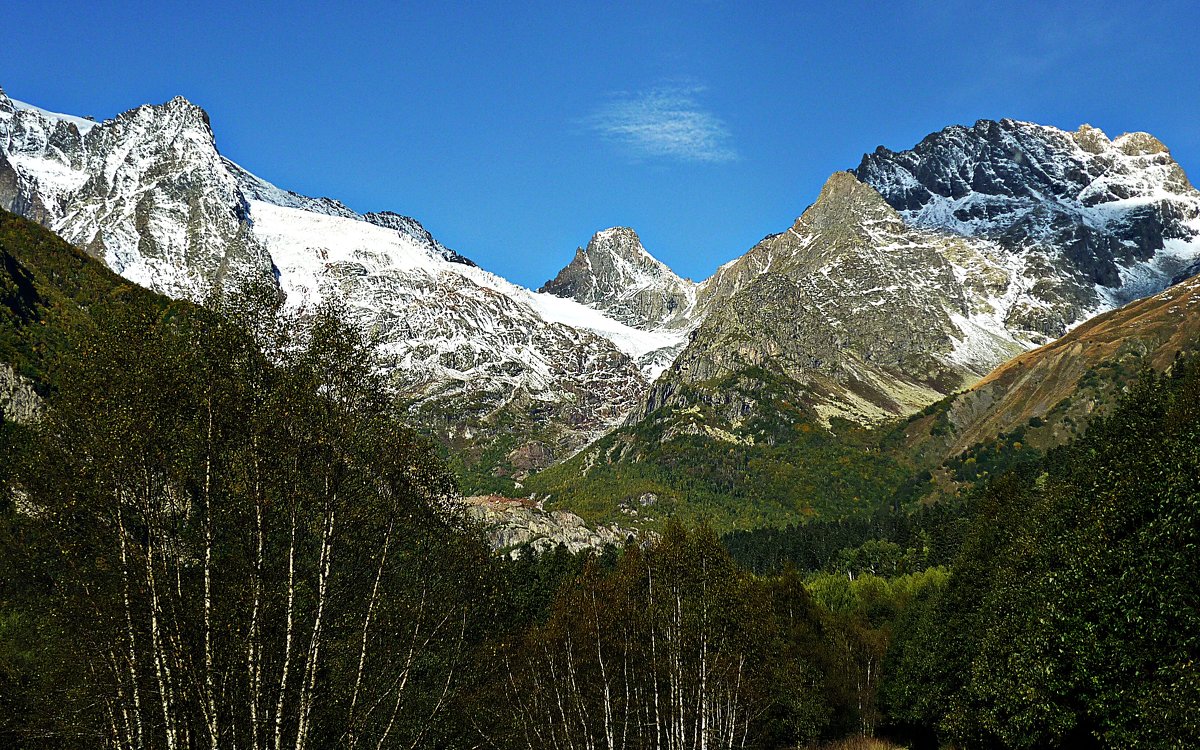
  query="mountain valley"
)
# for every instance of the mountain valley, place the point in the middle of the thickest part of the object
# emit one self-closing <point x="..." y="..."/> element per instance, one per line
<point x="921" y="468"/>
<point x="912" y="278"/>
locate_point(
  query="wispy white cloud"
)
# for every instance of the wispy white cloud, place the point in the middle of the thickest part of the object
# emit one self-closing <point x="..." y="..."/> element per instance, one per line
<point x="663" y="122"/>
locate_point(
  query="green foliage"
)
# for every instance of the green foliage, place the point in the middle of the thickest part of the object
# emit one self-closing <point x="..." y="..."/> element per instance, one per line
<point x="780" y="467"/>
<point x="47" y="290"/>
<point x="221" y="527"/>
<point x="1072" y="614"/>
<point x="926" y="536"/>
<point x="475" y="473"/>
<point x="671" y="645"/>
<point x="993" y="458"/>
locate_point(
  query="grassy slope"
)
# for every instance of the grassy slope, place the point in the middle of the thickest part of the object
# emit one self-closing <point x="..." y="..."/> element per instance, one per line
<point x="47" y="287"/>
<point x="778" y="466"/>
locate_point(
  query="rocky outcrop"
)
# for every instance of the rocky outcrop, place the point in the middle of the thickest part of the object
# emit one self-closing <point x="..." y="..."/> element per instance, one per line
<point x="512" y="525"/>
<point x="864" y="315"/>
<point x="18" y="401"/>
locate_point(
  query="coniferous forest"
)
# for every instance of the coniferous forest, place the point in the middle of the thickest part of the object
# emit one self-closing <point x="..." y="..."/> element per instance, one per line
<point x="220" y="533"/>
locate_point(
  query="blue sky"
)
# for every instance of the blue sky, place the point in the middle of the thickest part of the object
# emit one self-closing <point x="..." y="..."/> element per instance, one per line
<point x="513" y="131"/>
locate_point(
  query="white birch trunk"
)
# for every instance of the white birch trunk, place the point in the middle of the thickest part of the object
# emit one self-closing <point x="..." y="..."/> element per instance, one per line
<point x="308" y="686"/>
<point x="209" y="697"/>
<point x="162" y="668"/>
<point x="287" y="643"/>
<point x="352" y="715"/>
<point x="131" y="640"/>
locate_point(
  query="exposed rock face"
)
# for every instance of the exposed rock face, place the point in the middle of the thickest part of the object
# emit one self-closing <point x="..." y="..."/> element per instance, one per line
<point x="18" y="402"/>
<point x="1110" y="221"/>
<point x="871" y="317"/>
<point x="977" y="244"/>
<point x="913" y="280"/>
<point x="531" y="456"/>
<point x="514" y="524"/>
<point x="146" y="192"/>
<point x="616" y="275"/>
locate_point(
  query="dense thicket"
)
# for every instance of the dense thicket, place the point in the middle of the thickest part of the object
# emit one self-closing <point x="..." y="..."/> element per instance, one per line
<point x="224" y="536"/>
<point x="1072" y="617"/>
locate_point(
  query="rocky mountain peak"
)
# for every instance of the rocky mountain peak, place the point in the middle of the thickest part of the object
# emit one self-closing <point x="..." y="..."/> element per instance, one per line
<point x="844" y="203"/>
<point x="849" y="218"/>
<point x="1140" y="144"/>
<point x="616" y="275"/>
<point x="844" y="185"/>
<point x="176" y="115"/>
<point x="924" y="269"/>
<point x="865" y="316"/>
<point x="1111" y="220"/>
<point x="146" y="191"/>
<point x="1094" y="141"/>
<point x="621" y="241"/>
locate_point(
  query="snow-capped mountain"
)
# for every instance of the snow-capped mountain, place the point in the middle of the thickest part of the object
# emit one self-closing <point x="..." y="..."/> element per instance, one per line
<point x="149" y="193"/>
<point x="909" y="278"/>
<point x="1104" y="221"/>
<point x="937" y="264"/>
<point x="617" y="276"/>
<point x="146" y="192"/>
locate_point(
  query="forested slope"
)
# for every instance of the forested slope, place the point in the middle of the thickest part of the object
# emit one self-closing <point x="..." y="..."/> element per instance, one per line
<point x="1072" y="614"/>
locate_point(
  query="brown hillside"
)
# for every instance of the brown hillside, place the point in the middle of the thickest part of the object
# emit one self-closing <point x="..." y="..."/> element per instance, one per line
<point x="1064" y="382"/>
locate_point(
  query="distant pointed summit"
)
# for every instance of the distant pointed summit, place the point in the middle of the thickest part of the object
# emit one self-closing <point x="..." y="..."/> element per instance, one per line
<point x="616" y="275"/>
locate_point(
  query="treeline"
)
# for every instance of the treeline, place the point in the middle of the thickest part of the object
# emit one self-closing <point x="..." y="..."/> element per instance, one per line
<point x="888" y="543"/>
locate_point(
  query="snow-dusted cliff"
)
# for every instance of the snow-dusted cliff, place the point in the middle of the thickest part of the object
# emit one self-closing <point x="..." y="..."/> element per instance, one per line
<point x="911" y="277"/>
<point x="1102" y="221"/>
<point x="149" y="193"/>
<point x="998" y="238"/>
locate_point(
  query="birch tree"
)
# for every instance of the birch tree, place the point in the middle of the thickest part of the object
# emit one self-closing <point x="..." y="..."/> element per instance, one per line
<point x="249" y="544"/>
<point x="674" y="650"/>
